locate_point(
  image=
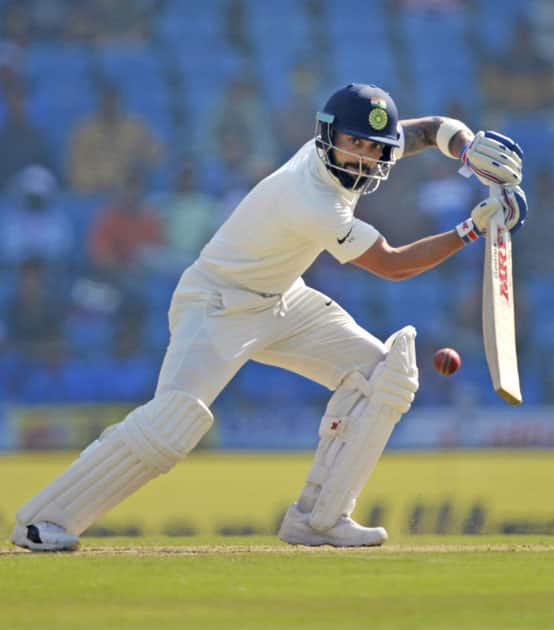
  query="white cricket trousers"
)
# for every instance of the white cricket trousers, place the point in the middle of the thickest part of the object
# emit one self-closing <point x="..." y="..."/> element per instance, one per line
<point x="214" y="333"/>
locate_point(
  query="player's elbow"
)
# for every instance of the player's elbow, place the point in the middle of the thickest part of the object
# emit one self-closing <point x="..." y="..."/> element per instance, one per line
<point x="400" y="274"/>
<point x="396" y="276"/>
<point x="394" y="265"/>
<point x="389" y="274"/>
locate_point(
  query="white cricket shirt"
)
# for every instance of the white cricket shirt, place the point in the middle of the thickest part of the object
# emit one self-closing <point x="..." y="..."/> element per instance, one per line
<point x="283" y="224"/>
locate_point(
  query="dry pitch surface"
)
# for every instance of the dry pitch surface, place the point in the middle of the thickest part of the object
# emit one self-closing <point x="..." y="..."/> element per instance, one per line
<point x="198" y="550"/>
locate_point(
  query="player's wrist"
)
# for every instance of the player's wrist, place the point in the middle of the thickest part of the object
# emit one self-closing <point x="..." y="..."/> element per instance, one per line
<point x="448" y="130"/>
<point x="463" y="152"/>
<point x="468" y="231"/>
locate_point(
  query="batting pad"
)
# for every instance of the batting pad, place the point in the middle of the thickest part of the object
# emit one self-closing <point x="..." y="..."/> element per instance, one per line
<point x="358" y="422"/>
<point x="150" y="441"/>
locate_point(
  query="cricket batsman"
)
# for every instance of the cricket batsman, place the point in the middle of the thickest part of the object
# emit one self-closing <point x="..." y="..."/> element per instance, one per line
<point x="244" y="299"/>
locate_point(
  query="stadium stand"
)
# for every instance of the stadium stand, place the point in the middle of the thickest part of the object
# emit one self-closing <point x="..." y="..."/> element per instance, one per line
<point x="174" y="78"/>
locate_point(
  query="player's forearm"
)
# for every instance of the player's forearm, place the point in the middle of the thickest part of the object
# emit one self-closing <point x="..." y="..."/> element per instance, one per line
<point x="406" y="261"/>
<point x="419" y="256"/>
<point x="421" y="134"/>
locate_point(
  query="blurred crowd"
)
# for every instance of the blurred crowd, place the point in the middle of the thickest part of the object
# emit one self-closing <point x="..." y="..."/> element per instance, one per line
<point x="130" y="129"/>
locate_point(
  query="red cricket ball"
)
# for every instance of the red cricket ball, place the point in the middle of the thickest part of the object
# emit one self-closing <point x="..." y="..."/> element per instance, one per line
<point x="447" y="361"/>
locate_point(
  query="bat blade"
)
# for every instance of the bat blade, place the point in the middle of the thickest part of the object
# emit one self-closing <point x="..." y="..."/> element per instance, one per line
<point x="499" y="333"/>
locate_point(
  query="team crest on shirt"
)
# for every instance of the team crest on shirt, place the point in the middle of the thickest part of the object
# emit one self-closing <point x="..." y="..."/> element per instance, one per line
<point x="378" y="117"/>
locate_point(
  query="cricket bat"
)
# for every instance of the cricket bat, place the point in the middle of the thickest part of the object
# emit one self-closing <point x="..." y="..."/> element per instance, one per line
<point x="499" y="333"/>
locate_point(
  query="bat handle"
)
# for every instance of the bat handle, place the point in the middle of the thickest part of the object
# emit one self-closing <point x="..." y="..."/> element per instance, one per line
<point x="496" y="191"/>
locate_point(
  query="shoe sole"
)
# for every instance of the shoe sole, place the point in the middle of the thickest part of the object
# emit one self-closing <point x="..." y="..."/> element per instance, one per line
<point x="23" y="542"/>
<point x="319" y="542"/>
<point x="45" y="547"/>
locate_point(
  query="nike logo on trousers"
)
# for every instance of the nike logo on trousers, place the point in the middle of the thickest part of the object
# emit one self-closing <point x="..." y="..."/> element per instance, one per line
<point x="340" y="241"/>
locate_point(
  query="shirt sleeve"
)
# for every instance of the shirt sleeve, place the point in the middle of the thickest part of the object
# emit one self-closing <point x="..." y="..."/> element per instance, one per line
<point x="334" y="228"/>
<point x="354" y="239"/>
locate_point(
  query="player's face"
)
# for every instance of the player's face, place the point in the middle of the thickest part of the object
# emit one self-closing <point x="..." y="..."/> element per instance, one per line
<point x="367" y="151"/>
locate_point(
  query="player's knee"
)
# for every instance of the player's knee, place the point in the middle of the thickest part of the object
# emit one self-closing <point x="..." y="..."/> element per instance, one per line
<point x="394" y="380"/>
<point x="394" y="389"/>
<point x="165" y="429"/>
<point x="397" y="379"/>
<point x="375" y="356"/>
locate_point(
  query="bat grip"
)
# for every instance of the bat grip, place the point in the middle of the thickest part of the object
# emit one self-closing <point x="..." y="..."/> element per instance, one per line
<point x="496" y="191"/>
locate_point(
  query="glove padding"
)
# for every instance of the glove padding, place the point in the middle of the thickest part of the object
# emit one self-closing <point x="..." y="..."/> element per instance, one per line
<point x="493" y="158"/>
<point x="512" y="201"/>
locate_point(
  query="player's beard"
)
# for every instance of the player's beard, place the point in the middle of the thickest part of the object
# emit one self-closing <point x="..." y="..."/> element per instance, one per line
<point x="349" y="180"/>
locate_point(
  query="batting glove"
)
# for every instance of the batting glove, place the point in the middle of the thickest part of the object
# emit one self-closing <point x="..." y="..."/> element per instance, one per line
<point x="493" y="159"/>
<point x="513" y="202"/>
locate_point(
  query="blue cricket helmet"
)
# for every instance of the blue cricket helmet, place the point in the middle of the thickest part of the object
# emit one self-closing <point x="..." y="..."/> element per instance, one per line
<point x="364" y="111"/>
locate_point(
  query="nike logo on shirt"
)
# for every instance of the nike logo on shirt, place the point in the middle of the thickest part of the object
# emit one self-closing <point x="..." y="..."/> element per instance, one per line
<point x="340" y="241"/>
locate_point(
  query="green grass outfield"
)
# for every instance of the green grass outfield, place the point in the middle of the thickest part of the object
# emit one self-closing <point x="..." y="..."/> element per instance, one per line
<point x="211" y="580"/>
<point x="225" y="583"/>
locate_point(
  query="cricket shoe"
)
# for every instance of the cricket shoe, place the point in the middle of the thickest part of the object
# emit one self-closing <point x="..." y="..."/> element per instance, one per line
<point x="44" y="536"/>
<point x="296" y="530"/>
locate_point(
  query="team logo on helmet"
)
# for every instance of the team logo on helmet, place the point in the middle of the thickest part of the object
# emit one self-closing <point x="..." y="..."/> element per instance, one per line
<point x="378" y="118"/>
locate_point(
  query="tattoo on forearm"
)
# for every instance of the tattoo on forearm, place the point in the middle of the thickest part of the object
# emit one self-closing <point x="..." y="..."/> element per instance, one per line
<point x="420" y="134"/>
